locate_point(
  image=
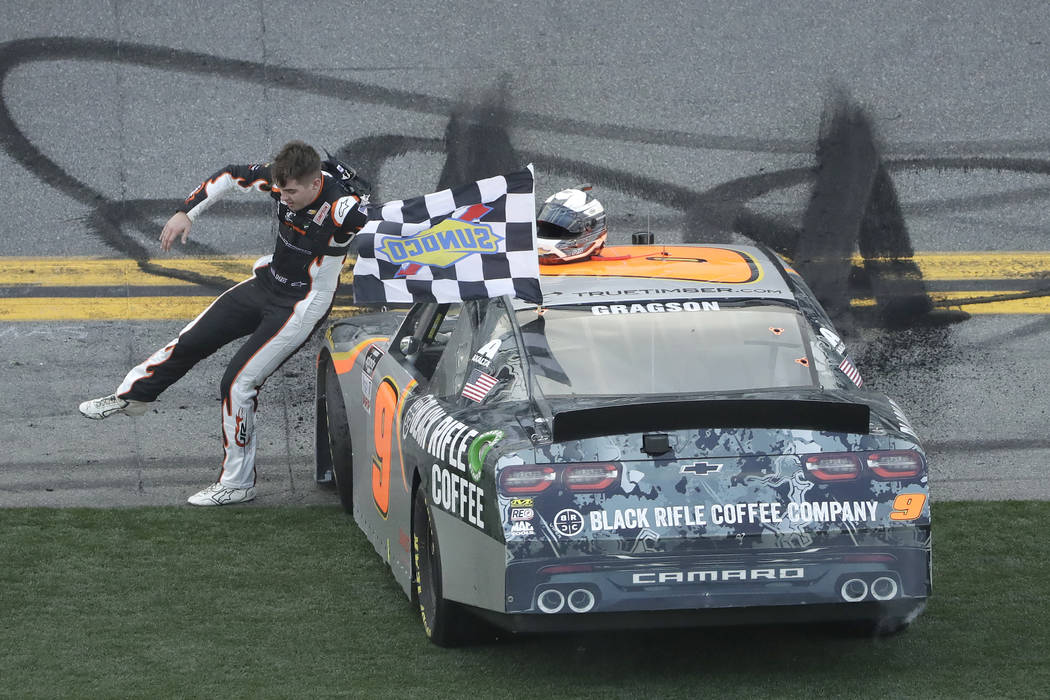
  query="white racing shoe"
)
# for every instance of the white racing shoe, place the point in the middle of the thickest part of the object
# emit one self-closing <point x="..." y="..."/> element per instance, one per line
<point x="219" y="495"/>
<point x="97" y="409"/>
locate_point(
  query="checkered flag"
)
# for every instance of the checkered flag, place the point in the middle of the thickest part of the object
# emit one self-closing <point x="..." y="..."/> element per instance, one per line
<point x="475" y="241"/>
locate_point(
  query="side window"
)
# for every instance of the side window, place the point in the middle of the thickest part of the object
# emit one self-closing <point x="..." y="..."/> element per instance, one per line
<point x="422" y="337"/>
<point x="494" y="371"/>
<point x="447" y="378"/>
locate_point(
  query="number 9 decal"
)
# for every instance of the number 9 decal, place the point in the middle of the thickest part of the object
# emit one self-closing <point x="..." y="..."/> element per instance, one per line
<point x="384" y="409"/>
<point x="908" y="506"/>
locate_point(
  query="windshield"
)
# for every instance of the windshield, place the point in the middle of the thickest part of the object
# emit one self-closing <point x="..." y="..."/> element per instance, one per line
<point x="666" y="347"/>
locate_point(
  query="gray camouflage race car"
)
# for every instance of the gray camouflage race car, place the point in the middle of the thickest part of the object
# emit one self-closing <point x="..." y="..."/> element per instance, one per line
<point x="676" y="437"/>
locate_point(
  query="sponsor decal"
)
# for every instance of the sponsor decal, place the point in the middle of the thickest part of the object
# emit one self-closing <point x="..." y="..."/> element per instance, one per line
<point x="368" y="369"/>
<point x="700" y="468"/>
<point x="343" y="205"/>
<point x="321" y="213"/>
<point x="683" y="290"/>
<point x="442" y="245"/>
<point x="479" y="448"/>
<point x="622" y="519"/>
<point x="521" y="503"/>
<point x="714" y="575"/>
<point x="478" y="385"/>
<point x="654" y="307"/>
<point x="438" y="433"/>
<point x="568" y="522"/>
<point x="522" y="529"/>
<point x="521" y="514"/>
<point x="457" y="495"/>
<point x="486" y="352"/>
<point x="731" y="514"/>
<point x="371" y="360"/>
<point x="366" y="392"/>
<point x="646" y="541"/>
<point x="240" y="434"/>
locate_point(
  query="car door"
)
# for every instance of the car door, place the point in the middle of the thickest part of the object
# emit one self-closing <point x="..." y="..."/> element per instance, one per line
<point x="382" y="504"/>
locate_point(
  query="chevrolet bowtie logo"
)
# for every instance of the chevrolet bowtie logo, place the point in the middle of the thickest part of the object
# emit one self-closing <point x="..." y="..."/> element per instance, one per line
<point x="700" y="468"/>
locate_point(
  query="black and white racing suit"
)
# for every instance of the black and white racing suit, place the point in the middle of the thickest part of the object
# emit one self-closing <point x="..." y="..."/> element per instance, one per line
<point x="279" y="307"/>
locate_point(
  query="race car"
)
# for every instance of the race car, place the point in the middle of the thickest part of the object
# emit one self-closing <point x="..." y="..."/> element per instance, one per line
<point x="676" y="436"/>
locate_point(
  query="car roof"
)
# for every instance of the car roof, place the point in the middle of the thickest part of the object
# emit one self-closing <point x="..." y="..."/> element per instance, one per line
<point x="655" y="272"/>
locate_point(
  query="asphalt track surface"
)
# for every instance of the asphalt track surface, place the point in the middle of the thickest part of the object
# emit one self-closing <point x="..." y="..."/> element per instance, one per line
<point x="836" y="131"/>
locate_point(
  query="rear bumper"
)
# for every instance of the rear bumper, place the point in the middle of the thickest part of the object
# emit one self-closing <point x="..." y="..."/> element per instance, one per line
<point x="878" y="578"/>
<point x="712" y="617"/>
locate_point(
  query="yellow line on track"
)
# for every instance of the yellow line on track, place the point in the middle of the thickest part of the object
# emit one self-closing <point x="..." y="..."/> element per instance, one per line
<point x="113" y="309"/>
<point x="101" y="272"/>
<point x="88" y="272"/>
<point x="102" y="308"/>
<point x="980" y="266"/>
<point x="1033" y="305"/>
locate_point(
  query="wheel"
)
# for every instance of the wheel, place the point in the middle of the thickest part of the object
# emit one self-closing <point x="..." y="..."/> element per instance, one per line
<point x="444" y="622"/>
<point x="322" y="449"/>
<point x="332" y="452"/>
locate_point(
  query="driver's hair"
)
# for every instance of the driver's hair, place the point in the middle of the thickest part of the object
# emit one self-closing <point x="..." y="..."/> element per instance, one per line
<point x="297" y="161"/>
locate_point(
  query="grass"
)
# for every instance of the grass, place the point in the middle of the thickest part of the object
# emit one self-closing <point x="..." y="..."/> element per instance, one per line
<point x="293" y="602"/>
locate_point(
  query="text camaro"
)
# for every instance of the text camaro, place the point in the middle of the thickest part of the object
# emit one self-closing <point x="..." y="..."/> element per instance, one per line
<point x="677" y="434"/>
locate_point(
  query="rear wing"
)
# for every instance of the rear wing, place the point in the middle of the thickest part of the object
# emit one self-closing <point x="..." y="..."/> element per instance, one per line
<point x="788" y="414"/>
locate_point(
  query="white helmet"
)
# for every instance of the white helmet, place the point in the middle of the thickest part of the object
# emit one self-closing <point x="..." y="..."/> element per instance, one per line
<point x="570" y="227"/>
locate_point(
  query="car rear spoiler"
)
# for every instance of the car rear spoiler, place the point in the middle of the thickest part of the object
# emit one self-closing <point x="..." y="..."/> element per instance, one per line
<point x="829" y="416"/>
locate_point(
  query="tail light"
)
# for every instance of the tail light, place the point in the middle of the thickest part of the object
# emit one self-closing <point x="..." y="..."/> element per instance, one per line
<point x="530" y="479"/>
<point x="895" y="464"/>
<point x="843" y="466"/>
<point x="836" y="466"/>
<point x="565" y="569"/>
<point x="590" y="477"/>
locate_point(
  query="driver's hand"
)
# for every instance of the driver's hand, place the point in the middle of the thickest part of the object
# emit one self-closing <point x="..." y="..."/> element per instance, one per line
<point x="178" y="226"/>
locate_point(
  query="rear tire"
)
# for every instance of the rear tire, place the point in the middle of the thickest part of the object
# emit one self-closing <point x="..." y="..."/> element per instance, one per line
<point x="444" y="622"/>
<point x="336" y="433"/>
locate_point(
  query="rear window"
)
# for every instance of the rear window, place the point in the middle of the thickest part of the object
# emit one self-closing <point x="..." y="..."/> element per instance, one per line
<point x="666" y="347"/>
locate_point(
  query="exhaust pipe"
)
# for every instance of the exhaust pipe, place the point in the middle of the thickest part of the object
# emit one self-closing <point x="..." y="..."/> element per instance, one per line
<point x="884" y="588"/>
<point x="854" y="590"/>
<point x="581" y="600"/>
<point x="550" y="600"/>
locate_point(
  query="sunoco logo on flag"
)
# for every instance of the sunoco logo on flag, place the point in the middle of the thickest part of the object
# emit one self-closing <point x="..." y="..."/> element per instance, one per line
<point x="441" y="245"/>
<point x="473" y="241"/>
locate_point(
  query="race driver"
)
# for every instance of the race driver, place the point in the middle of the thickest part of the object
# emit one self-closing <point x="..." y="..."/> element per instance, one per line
<point x="286" y="299"/>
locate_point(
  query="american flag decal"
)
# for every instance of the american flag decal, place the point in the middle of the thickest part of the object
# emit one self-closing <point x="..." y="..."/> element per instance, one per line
<point x="850" y="371"/>
<point x="479" y="385"/>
